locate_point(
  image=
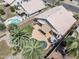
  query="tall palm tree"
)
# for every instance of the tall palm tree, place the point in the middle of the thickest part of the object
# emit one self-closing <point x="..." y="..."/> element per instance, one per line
<point x="19" y="38"/>
<point x="33" y="50"/>
<point x="72" y="43"/>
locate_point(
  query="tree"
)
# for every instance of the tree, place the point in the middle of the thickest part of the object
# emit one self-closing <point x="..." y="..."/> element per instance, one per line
<point x="2" y="27"/>
<point x="72" y="43"/>
<point x="2" y="12"/>
<point x="76" y="16"/>
<point x="33" y="50"/>
<point x="12" y="9"/>
<point x="19" y="38"/>
<point x="12" y="27"/>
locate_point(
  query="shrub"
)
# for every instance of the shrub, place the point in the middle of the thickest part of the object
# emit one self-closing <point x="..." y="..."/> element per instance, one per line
<point x="2" y="27"/>
<point x="76" y="16"/>
<point x="72" y="44"/>
<point x="12" y="27"/>
<point x="12" y="9"/>
<point x="2" y="12"/>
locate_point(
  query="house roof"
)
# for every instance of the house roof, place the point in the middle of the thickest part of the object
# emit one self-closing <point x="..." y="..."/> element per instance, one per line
<point x="33" y="6"/>
<point x="59" y="18"/>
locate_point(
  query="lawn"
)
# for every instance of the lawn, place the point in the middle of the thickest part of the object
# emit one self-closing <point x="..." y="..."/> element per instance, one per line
<point x="28" y="29"/>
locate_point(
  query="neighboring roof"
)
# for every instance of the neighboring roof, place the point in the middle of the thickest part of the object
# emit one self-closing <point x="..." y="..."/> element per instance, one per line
<point x="14" y="2"/>
<point x="33" y="6"/>
<point x="9" y="1"/>
<point x="77" y="1"/>
<point x="59" y="18"/>
<point x="71" y="7"/>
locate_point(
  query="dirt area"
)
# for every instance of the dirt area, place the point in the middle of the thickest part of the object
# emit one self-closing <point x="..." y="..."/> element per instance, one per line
<point x="4" y="49"/>
<point x="7" y="11"/>
<point x="1" y="0"/>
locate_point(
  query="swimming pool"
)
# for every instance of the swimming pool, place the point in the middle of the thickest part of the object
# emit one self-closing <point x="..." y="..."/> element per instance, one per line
<point x="14" y="20"/>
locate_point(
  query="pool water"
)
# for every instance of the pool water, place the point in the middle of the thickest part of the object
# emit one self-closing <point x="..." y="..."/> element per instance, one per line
<point x="15" y="21"/>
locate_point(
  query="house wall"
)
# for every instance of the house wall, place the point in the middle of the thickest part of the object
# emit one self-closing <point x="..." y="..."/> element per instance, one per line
<point x="26" y="22"/>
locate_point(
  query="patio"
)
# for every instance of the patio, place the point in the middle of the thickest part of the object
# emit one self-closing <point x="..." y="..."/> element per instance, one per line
<point x="42" y="33"/>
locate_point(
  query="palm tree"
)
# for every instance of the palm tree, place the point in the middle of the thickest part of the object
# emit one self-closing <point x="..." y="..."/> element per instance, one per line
<point x="11" y="27"/>
<point x="33" y="50"/>
<point x="72" y="43"/>
<point x="19" y="38"/>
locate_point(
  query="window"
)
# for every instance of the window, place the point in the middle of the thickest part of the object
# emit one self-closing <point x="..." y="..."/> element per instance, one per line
<point x="42" y="32"/>
<point x="49" y="40"/>
<point x="52" y="58"/>
<point x="51" y="32"/>
<point x="39" y="24"/>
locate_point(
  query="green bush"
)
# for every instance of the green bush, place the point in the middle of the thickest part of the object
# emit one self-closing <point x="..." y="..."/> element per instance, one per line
<point x="2" y="12"/>
<point x="2" y="27"/>
<point x="12" y="27"/>
<point x="12" y="9"/>
<point x="72" y="44"/>
<point x="76" y="16"/>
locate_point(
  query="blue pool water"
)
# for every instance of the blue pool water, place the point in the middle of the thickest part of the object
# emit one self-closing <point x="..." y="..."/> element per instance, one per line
<point x="15" y="21"/>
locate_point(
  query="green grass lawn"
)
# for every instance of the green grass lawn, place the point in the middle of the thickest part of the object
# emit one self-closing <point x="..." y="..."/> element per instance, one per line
<point x="28" y="29"/>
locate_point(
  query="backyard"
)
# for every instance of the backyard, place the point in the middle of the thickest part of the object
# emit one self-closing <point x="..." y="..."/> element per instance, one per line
<point x="5" y="49"/>
<point x="18" y="42"/>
